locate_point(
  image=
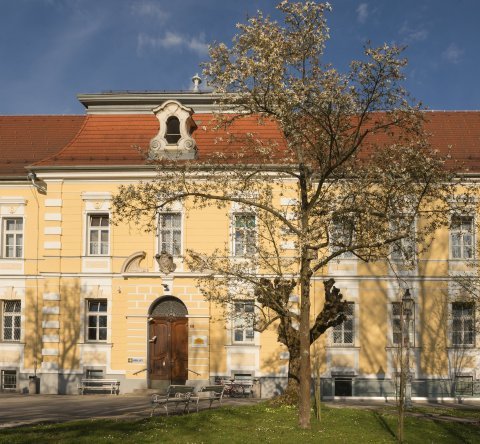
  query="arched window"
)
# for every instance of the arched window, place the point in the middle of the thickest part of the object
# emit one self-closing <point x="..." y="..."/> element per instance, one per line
<point x="168" y="306"/>
<point x="173" y="130"/>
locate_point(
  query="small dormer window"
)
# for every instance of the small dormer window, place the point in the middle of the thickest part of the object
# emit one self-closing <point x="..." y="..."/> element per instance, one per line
<point x="173" y="130"/>
<point x="174" y="139"/>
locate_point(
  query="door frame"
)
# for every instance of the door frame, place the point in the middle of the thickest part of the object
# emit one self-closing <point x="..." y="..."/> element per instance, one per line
<point x="155" y="312"/>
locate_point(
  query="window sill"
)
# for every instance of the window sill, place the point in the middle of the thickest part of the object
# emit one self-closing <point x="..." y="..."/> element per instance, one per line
<point x="242" y="344"/>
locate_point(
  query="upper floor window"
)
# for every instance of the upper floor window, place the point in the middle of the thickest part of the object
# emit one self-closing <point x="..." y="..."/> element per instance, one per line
<point x="342" y="236"/>
<point x="170" y="233"/>
<point x="11" y="320"/>
<point x="243" y="320"/>
<point x="463" y="323"/>
<point x="345" y="332"/>
<point x="98" y="234"/>
<point x="172" y="134"/>
<point x="97" y="320"/>
<point x="403" y="249"/>
<point x="244" y="234"/>
<point x="12" y="238"/>
<point x="397" y="326"/>
<point x="461" y="237"/>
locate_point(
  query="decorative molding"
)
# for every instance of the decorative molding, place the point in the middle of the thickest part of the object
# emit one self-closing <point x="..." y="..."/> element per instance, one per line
<point x="132" y="263"/>
<point x="53" y="216"/>
<point x="186" y="147"/>
<point x="53" y="202"/>
<point x="52" y="230"/>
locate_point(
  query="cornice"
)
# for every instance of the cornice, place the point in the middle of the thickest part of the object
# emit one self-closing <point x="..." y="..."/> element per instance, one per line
<point x="138" y="102"/>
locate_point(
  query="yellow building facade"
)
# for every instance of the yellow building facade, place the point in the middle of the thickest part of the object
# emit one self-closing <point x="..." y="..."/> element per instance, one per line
<point x="83" y="298"/>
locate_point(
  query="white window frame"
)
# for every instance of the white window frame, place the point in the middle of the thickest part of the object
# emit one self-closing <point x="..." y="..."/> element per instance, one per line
<point x="16" y="234"/>
<point x="161" y="232"/>
<point x="463" y="331"/>
<point x="15" y="320"/>
<point x="9" y="372"/>
<point x="248" y="245"/>
<point x="99" y="230"/>
<point x="338" y="226"/>
<point x="398" y="330"/>
<point x="462" y="235"/>
<point x="239" y="320"/>
<point x="399" y="247"/>
<point x="340" y="329"/>
<point x="97" y="315"/>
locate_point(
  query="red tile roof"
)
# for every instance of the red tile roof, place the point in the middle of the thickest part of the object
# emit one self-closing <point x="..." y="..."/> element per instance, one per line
<point x="28" y="139"/>
<point x="118" y="140"/>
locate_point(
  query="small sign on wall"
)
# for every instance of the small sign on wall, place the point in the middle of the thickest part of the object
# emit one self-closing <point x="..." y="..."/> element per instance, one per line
<point x="199" y="341"/>
<point x="135" y="360"/>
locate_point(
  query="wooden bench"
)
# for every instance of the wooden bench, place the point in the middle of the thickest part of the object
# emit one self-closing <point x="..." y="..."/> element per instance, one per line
<point x="176" y="395"/>
<point x="209" y="393"/>
<point x="112" y="385"/>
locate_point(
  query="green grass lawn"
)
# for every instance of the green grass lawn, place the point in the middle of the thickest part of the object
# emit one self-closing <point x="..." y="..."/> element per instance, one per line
<point x="260" y="423"/>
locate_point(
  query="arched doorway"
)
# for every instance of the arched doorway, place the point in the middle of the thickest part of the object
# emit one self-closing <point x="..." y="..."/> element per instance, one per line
<point x="168" y="342"/>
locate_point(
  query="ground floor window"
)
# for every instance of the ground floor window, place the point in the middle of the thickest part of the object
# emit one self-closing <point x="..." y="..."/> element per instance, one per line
<point x="464" y="385"/>
<point x="94" y="374"/>
<point x="9" y="380"/>
<point x="343" y="387"/>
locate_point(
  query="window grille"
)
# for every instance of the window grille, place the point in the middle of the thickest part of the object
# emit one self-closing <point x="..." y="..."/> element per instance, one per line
<point x="464" y="385"/>
<point x="9" y="380"/>
<point x="97" y="320"/>
<point x="345" y="332"/>
<point x="170" y="233"/>
<point x="463" y="331"/>
<point x="397" y="326"/>
<point x="94" y="374"/>
<point x="12" y="320"/>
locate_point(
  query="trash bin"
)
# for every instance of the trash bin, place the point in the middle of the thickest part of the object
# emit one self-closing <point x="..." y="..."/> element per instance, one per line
<point x="33" y="383"/>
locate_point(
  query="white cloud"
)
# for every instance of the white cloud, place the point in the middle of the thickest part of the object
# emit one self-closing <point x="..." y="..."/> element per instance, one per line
<point x="413" y="34"/>
<point x="172" y="40"/>
<point x="453" y="53"/>
<point x="149" y="8"/>
<point x="362" y="13"/>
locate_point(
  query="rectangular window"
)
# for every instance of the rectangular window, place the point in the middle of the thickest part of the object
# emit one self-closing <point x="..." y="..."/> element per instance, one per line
<point x="243" y="319"/>
<point x="463" y="331"/>
<point x="12" y="237"/>
<point x="461" y="237"/>
<point x="403" y="249"/>
<point x="342" y="236"/>
<point x="345" y="332"/>
<point x="9" y="380"/>
<point x="97" y="320"/>
<point x="11" y="322"/>
<point x="94" y="374"/>
<point x="170" y="233"/>
<point x="397" y="326"/>
<point x="98" y="234"/>
<point x="245" y="234"/>
<point x="464" y="385"/>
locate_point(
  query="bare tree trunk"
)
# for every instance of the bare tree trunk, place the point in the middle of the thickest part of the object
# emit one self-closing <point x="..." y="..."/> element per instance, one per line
<point x="304" y="332"/>
<point x="293" y="385"/>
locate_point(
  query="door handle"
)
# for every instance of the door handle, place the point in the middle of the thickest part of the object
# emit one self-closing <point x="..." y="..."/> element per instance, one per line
<point x="153" y="339"/>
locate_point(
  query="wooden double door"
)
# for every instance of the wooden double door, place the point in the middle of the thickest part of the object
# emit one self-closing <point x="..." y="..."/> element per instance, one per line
<point x="168" y="350"/>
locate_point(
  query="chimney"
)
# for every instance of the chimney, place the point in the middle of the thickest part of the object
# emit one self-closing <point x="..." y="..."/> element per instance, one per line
<point x="196" y="83"/>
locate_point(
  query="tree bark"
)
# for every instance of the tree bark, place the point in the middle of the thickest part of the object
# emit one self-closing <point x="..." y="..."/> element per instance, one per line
<point x="305" y="373"/>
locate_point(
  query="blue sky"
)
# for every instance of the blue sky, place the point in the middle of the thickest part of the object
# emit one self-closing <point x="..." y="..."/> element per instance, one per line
<point x="51" y="50"/>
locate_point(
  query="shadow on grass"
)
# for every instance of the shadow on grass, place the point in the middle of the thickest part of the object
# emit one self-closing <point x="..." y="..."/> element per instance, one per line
<point x="383" y="423"/>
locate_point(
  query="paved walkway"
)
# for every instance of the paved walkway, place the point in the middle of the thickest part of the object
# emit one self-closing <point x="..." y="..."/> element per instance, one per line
<point x="16" y="410"/>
